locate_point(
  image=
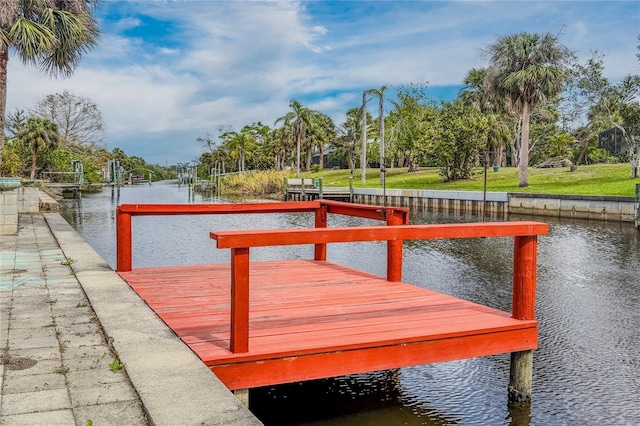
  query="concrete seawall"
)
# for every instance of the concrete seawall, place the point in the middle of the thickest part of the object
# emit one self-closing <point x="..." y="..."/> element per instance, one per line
<point x="616" y="209"/>
<point x="457" y="202"/>
<point x="174" y="385"/>
<point x="500" y="204"/>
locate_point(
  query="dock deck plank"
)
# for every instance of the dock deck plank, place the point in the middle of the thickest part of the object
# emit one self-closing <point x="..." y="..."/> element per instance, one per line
<point x="311" y="319"/>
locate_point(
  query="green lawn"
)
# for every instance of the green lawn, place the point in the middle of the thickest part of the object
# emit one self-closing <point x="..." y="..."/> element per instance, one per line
<point x="600" y="179"/>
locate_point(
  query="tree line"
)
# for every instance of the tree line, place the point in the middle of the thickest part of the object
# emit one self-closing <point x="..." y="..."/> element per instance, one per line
<point x="59" y="129"/>
<point x="533" y="102"/>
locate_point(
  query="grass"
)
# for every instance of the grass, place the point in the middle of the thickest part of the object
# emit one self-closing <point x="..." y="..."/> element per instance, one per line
<point x="599" y="179"/>
<point x="116" y="365"/>
<point x="249" y="183"/>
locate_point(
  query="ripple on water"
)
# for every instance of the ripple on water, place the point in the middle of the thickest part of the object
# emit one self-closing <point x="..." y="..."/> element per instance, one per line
<point x="588" y="293"/>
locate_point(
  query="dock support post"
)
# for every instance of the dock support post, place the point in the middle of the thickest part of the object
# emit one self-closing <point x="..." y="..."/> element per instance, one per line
<point x="123" y="241"/>
<point x="521" y="376"/>
<point x="524" y="308"/>
<point x="320" y="249"/>
<point x="239" y="339"/>
<point x="394" y="248"/>
<point x="243" y="396"/>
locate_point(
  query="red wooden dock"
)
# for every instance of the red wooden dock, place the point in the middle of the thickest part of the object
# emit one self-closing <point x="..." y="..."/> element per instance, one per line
<point x="263" y="323"/>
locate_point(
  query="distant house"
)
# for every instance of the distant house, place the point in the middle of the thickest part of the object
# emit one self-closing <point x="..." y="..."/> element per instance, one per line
<point x="613" y="141"/>
<point x="328" y="163"/>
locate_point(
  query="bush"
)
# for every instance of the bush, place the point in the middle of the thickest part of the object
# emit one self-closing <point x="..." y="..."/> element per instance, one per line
<point x="254" y="183"/>
<point x="599" y="155"/>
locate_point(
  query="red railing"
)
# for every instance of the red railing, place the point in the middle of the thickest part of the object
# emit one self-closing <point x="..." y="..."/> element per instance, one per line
<point x="524" y="233"/>
<point x="124" y="213"/>
<point x="524" y="270"/>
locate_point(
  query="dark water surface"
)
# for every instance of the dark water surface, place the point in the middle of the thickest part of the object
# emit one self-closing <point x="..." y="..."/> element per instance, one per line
<point x="586" y="371"/>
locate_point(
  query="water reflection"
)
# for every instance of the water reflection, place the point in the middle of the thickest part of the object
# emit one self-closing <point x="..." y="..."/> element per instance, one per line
<point x="585" y="371"/>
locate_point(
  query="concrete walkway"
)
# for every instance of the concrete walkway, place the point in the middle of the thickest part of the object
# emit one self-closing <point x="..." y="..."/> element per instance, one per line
<point x="65" y="316"/>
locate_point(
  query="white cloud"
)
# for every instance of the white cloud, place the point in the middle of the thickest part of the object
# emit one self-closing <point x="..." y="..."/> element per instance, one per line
<point x="212" y="63"/>
<point x="126" y="23"/>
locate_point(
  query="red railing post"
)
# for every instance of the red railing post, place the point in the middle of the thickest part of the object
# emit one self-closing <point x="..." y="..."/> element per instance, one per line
<point x="239" y="338"/>
<point x="320" y="250"/>
<point x="524" y="277"/>
<point x="123" y="241"/>
<point x="394" y="248"/>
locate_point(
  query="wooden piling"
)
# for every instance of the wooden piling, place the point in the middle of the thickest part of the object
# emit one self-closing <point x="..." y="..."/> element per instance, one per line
<point x="521" y="376"/>
<point x="524" y="301"/>
<point x="243" y="396"/>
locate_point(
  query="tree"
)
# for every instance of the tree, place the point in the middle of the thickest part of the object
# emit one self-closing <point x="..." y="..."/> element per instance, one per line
<point x="559" y="145"/>
<point x="39" y="134"/>
<point x="410" y="120"/>
<point x="283" y="144"/>
<point x="15" y="121"/>
<point x="459" y="134"/>
<point x="299" y="120"/>
<point x="240" y="145"/>
<point x="606" y="105"/>
<point x="264" y="146"/>
<point x="53" y="35"/>
<point x="498" y="137"/>
<point x="349" y="133"/>
<point x="628" y="91"/>
<point x="529" y="69"/>
<point x="322" y="132"/>
<point x="586" y="95"/>
<point x="78" y="118"/>
<point x="479" y="91"/>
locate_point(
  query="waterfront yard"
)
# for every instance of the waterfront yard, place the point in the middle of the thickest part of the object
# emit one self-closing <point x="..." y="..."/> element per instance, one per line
<point x="599" y="179"/>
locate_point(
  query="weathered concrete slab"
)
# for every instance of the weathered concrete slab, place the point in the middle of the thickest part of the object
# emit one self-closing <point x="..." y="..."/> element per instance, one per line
<point x="174" y="385"/>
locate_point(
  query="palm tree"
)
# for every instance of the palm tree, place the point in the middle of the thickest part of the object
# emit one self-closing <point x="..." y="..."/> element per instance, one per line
<point x="242" y="145"/>
<point x="380" y="95"/>
<point x="283" y="143"/>
<point x="498" y="137"/>
<point x="349" y="134"/>
<point x="299" y="119"/>
<point x="38" y="134"/>
<point x="322" y="132"/>
<point x="478" y="90"/>
<point x="50" y="34"/>
<point x="530" y="68"/>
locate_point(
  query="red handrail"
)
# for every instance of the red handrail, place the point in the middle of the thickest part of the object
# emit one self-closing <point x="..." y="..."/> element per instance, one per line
<point x="124" y="212"/>
<point x="524" y="233"/>
<point x="524" y="269"/>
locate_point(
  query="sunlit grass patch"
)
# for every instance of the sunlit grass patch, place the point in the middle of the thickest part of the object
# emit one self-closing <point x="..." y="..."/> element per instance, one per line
<point x="599" y="179"/>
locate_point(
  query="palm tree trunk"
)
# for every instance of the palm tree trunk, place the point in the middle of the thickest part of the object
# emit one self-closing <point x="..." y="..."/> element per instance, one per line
<point x="321" y="160"/>
<point x="401" y="159"/>
<point x="298" y="156"/>
<point x="4" y="59"/>
<point x="381" y="124"/>
<point x="34" y="163"/>
<point x="363" y="154"/>
<point x="308" y="159"/>
<point x="523" y="180"/>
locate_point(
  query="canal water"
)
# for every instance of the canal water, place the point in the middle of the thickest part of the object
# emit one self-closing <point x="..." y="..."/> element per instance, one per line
<point x="586" y="371"/>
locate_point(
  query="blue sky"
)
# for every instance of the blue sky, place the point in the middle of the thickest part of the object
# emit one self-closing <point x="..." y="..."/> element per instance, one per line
<point x="166" y="72"/>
